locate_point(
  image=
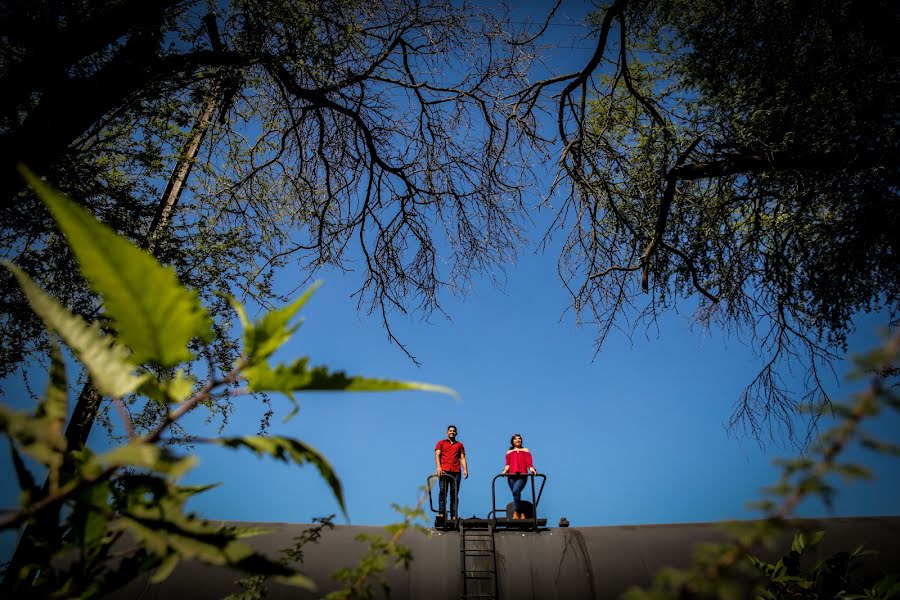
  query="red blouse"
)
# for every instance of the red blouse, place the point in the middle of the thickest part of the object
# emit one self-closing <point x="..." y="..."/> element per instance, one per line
<point x="519" y="461"/>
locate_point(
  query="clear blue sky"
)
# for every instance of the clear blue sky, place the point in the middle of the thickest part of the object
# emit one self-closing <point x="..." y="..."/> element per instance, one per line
<point x="634" y="435"/>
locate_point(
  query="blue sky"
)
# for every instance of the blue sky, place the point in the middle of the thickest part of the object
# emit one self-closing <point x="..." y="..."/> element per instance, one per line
<point x="636" y="434"/>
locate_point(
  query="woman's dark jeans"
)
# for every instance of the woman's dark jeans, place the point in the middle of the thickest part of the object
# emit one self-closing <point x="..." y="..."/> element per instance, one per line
<point x="516" y="485"/>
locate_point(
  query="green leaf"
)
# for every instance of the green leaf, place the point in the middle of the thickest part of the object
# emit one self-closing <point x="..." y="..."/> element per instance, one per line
<point x="882" y="446"/>
<point x="95" y="502"/>
<point x="148" y="456"/>
<point x="165" y="569"/>
<point x="289" y="450"/>
<point x="30" y="491"/>
<point x="55" y="404"/>
<point x="153" y="313"/>
<point x="298" y="376"/>
<point x="53" y="410"/>
<point x="170" y="391"/>
<point x="109" y="366"/>
<point x="265" y="336"/>
<point x="167" y="532"/>
<point x="815" y="538"/>
<point x="851" y="471"/>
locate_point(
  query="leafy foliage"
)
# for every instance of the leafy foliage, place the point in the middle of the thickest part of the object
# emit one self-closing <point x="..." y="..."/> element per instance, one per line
<point x="127" y="502"/>
<point x="255" y="587"/>
<point x="732" y="570"/>
<point x="303" y="133"/>
<point x="108" y="362"/>
<point x="739" y="159"/>
<point x="383" y="552"/>
<point x="835" y="577"/>
<point x="363" y="580"/>
<point x="288" y="450"/>
<point x="156" y="328"/>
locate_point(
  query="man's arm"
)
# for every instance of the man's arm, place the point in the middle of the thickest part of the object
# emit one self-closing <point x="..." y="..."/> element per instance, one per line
<point x="465" y="466"/>
<point x="437" y="460"/>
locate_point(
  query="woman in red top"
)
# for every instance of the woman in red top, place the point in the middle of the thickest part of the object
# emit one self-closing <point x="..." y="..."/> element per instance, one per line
<point x="518" y="464"/>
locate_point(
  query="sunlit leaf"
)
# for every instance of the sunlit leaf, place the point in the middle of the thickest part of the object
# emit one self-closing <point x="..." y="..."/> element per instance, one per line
<point x="165" y="569"/>
<point x="111" y="371"/>
<point x="55" y="404"/>
<point x="298" y="376"/>
<point x="149" y="456"/>
<point x="152" y="312"/>
<point x="265" y="336"/>
<point x="174" y="390"/>
<point x="289" y="450"/>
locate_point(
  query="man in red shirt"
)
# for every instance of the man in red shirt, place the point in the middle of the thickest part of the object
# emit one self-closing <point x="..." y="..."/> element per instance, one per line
<point x="450" y="456"/>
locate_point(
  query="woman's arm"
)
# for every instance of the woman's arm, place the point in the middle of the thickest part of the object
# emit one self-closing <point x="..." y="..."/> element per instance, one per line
<point x="528" y="461"/>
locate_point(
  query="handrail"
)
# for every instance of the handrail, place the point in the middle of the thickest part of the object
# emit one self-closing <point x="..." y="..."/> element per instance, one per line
<point x="430" y="485"/>
<point x="536" y="498"/>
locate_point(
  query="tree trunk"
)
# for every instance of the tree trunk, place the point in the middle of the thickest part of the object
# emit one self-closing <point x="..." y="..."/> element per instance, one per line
<point x="182" y="170"/>
<point x="46" y="526"/>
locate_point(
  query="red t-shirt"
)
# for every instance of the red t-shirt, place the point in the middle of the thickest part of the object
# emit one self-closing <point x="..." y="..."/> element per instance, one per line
<point x="518" y="461"/>
<point x="450" y="453"/>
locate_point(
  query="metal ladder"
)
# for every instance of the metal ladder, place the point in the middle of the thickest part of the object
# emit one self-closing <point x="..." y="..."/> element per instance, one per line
<point x="478" y="560"/>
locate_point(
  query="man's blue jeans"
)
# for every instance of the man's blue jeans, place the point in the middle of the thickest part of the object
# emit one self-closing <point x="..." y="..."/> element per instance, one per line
<point x="516" y="485"/>
<point x="454" y="492"/>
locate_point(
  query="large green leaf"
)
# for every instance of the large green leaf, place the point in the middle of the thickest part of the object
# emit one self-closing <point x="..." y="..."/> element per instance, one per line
<point x="266" y="335"/>
<point x="53" y="409"/>
<point x="154" y="516"/>
<point x="153" y="313"/>
<point x="148" y="456"/>
<point x="111" y="371"/>
<point x="299" y="376"/>
<point x="289" y="450"/>
<point x="55" y="404"/>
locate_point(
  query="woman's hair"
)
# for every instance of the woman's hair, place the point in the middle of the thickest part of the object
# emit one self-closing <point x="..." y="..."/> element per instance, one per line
<point x="514" y="436"/>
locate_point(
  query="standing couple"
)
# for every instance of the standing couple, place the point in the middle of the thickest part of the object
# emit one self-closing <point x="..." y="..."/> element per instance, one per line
<point x="450" y="458"/>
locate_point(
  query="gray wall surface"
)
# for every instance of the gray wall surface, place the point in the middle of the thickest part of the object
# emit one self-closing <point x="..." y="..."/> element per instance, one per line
<point x="570" y="563"/>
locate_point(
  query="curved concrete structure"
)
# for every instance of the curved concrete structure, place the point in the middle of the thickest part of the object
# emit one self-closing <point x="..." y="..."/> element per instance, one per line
<point x="555" y="563"/>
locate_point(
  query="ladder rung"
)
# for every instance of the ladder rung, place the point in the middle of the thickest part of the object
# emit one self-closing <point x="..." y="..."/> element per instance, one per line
<point x="479" y="553"/>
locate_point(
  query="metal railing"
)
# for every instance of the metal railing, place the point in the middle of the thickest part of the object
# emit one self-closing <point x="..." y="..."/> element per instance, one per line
<point x="535" y="496"/>
<point x="429" y="484"/>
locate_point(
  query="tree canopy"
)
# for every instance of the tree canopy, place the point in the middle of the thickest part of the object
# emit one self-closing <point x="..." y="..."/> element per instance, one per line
<point x="327" y="129"/>
<point x="741" y="156"/>
<point x="737" y="157"/>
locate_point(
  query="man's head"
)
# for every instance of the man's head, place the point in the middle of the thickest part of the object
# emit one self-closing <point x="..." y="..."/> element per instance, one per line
<point x="451" y="432"/>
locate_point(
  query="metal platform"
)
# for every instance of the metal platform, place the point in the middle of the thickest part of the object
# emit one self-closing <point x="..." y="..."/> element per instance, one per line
<point x="498" y="523"/>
